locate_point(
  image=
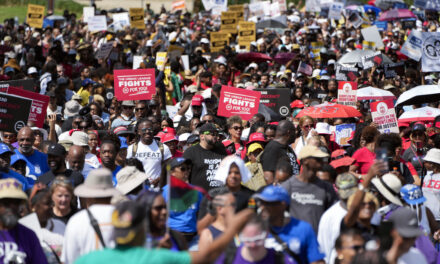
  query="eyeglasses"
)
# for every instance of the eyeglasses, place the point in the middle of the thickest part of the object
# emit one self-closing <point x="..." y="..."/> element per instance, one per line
<point x="159" y="207"/>
<point x="237" y="128"/>
<point x="139" y="109"/>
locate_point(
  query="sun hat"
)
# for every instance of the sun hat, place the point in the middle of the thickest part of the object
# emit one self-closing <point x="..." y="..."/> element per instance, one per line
<point x="311" y="152"/>
<point x="129" y="178"/>
<point x="389" y="186"/>
<point x="127" y="220"/>
<point x="168" y="137"/>
<point x="412" y="194"/>
<point x="273" y="193"/>
<point x="71" y="108"/>
<point x="11" y="189"/>
<point x="405" y="222"/>
<point x="80" y="138"/>
<point x="433" y="156"/>
<point x="347" y="185"/>
<point x="98" y="184"/>
<point x="128" y="103"/>
<point x="184" y="137"/>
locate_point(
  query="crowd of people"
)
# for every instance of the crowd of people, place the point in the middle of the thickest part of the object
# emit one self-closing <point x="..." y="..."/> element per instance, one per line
<point x="92" y="185"/>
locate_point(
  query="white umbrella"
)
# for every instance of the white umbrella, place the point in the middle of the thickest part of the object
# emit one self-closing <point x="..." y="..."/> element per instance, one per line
<point x="372" y="93"/>
<point x="419" y="95"/>
<point x="354" y="57"/>
<point x="424" y="114"/>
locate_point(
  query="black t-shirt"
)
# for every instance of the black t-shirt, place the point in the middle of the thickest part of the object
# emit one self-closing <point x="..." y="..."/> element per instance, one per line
<point x="65" y="218"/>
<point x="74" y="177"/>
<point x="273" y="152"/>
<point x="204" y="165"/>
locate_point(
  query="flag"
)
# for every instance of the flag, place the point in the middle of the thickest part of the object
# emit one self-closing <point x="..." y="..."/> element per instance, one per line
<point x="182" y="194"/>
<point x="178" y="5"/>
<point x="305" y="68"/>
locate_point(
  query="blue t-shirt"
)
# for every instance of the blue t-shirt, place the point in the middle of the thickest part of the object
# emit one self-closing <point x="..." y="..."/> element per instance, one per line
<point x="17" y="176"/>
<point x="36" y="165"/>
<point x="183" y="221"/>
<point x="117" y="169"/>
<point x="300" y="238"/>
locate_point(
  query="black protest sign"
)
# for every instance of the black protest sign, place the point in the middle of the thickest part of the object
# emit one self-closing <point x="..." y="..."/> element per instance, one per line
<point x="104" y="50"/>
<point x="346" y="73"/>
<point x="276" y="99"/>
<point x="372" y="60"/>
<point x="26" y="84"/>
<point x="408" y="24"/>
<point x="14" y="112"/>
<point x="394" y="69"/>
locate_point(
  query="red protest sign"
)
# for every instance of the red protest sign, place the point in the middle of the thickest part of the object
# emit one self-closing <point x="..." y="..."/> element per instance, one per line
<point x="39" y="104"/>
<point x="137" y="84"/>
<point x="235" y="101"/>
<point x="347" y="93"/>
<point x="384" y="115"/>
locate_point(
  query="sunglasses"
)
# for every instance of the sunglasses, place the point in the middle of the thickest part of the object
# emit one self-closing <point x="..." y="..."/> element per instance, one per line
<point x="8" y="135"/>
<point x="139" y="109"/>
<point x="237" y="128"/>
<point x="183" y="169"/>
<point x="214" y="134"/>
<point x="147" y="130"/>
<point x="127" y="107"/>
<point x="308" y="126"/>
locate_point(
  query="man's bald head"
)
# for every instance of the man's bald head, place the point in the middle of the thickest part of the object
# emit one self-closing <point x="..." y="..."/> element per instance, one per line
<point x="286" y="130"/>
<point x="26" y="140"/>
<point x="76" y="158"/>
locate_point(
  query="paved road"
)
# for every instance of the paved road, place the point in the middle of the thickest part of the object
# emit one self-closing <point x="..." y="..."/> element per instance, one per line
<point x="155" y="4"/>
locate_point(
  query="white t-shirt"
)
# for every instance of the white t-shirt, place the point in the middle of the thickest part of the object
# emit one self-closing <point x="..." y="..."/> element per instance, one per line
<point x="412" y="256"/>
<point x="329" y="229"/>
<point x="151" y="157"/>
<point x="431" y="191"/>
<point x="80" y="237"/>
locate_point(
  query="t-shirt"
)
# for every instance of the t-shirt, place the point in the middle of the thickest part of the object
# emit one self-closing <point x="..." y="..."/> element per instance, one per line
<point x="300" y="238"/>
<point x="204" y="165"/>
<point x="135" y="255"/>
<point x="21" y="241"/>
<point x="412" y="256"/>
<point x="80" y="237"/>
<point x="431" y="191"/>
<point x="74" y="177"/>
<point x="36" y="165"/>
<point x="151" y="157"/>
<point x="17" y="176"/>
<point x="416" y="159"/>
<point x="309" y="200"/>
<point x="364" y="159"/>
<point x="273" y="152"/>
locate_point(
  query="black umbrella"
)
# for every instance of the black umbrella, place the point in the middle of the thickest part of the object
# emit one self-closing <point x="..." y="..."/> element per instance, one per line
<point x="277" y="22"/>
<point x="269" y="114"/>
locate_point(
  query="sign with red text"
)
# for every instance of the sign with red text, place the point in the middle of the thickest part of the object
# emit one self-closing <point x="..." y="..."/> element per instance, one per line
<point x="37" y="113"/>
<point x="384" y="116"/>
<point x="137" y="84"/>
<point x="236" y="101"/>
<point x="277" y="99"/>
<point x="14" y="112"/>
<point x="347" y="93"/>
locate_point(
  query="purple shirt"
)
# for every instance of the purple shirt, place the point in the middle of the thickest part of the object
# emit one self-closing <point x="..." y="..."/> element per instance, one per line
<point x="21" y="239"/>
<point x="268" y="259"/>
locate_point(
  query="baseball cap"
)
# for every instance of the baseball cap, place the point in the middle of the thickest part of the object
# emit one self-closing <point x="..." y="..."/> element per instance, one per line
<point x="76" y="97"/>
<point x="256" y="137"/>
<point x="32" y="70"/>
<point x="204" y="41"/>
<point x="405" y="222"/>
<point x="253" y="147"/>
<point x="129" y="178"/>
<point x="193" y="139"/>
<point x="12" y="189"/>
<point x="176" y="162"/>
<point x="208" y="127"/>
<point x="197" y="100"/>
<point x="272" y="193"/>
<point x="62" y="81"/>
<point x="418" y="127"/>
<point x="433" y="155"/>
<point x="412" y="194"/>
<point x="311" y="152"/>
<point x="339" y="159"/>
<point x="56" y="150"/>
<point x="323" y="128"/>
<point x="346" y="184"/>
<point x="127" y="220"/>
<point x="86" y="82"/>
<point x="184" y="137"/>
<point x="5" y="149"/>
<point x="297" y="104"/>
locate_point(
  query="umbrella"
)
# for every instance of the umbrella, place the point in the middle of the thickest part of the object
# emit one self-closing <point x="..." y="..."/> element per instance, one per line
<point x="352" y="58"/>
<point x="395" y="14"/>
<point x="424" y="114"/>
<point x="376" y="10"/>
<point x="419" y="95"/>
<point x="278" y="22"/>
<point x="329" y="110"/>
<point x="253" y="56"/>
<point x="371" y="93"/>
<point x="283" y="58"/>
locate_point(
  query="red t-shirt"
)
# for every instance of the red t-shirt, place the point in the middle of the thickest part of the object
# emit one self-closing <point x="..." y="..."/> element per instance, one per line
<point x="364" y="159"/>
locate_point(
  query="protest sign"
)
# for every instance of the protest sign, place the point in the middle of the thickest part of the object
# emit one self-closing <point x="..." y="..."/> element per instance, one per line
<point x="235" y="101"/>
<point x="207" y="4"/>
<point x="134" y="84"/>
<point x="88" y="11"/>
<point x="26" y="84"/>
<point x="275" y="9"/>
<point x="97" y="23"/>
<point x="160" y="60"/>
<point x="372" y="34"/>
<point x="282" y="4"/>
<point x="313" y="6"/>
<point x="384" y="116"/>
<point x="276" y="99"/>
<point x="408" y="24"/>
<point x="35" y="15"/>
<point x="104" y="50"/>
<point x="239" y="9"/>
<point x="427" y="4"/>
<point x="347" y="93"/>
<point x="343" y="134"/>
<point x="218" y="41"/>
<point x="171" y="110"/>
<point x="355" y="20"/>
<point x="346" y="73"/>
<point x="14" y="112"/>
<point x="368" y="45"/>
<point x="185" y="61"/>
<point x="229" y="22"/>
<point x="412" y="48"/>
<point x="39" y="104"/>
<point x="381" y="25"/>
<point x="257" y="8"/>
<point x="121" y="20"/>
<point x="431" y="52"/>
<point x="178" y="5"/>
<point x="137" y="60"/>
<point x="372" y="60"/>
<point x="137" y="18"/>
<point x="394" y="69"/>
<point x="335" y="10"/>
<point x="246" y="33"/>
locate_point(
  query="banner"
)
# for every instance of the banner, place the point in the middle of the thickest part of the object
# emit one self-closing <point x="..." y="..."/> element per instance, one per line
<point x="431" y="52"/>
<point x="384" y="116"/>
<point x="104" y="50"/>
<point x="394" y="69"/>
<point x="277" y="99"/>
<point x="35" y="15"/>
<point x="343" y="134"/>
<point x="160" y="60"/>
<point x="236" y="101"/>
<point x="39" y="104"/>
<point x="347" y="93"/>
<point x="335" y="10"/>
<point x="134" y="84"/>
<point x="229" y="22"/>
<point x="88" y="11"/>
<point x="14" y="112"/>
<point x="372" y="34"/>
<point x="372" y="60"/>
<point x="26" y="84"/>
<point x="178" y="5"/>
<point x="346" y="73"/>
<point x="97" y="23"/>
<point x="239" y="9"/>
<point x="246" y="33"/>
<point x="412" y="48"/>
<point x="218" y="41"/>
<point x="137" y="18"/>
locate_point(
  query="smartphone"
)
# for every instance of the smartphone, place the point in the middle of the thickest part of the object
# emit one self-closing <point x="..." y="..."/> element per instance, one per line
<point x="382" y="154"/>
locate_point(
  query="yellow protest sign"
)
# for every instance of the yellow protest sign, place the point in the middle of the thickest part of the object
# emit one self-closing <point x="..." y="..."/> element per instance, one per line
<point x="137" y="18"/>
<point x="239" y="9"/>
<point x="160" y="60"/>
<point x="229" y="22"/>
<point x="246" y="33"/>
<point x="219" y="40"/>
<point x="35" y="15"/>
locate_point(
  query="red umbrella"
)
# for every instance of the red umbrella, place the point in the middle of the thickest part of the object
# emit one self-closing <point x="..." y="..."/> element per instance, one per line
<point x="253" y="57"/>
<point x="395" y="14"/>
<point x="283" y="58"/>
<point x="330" y="110"/>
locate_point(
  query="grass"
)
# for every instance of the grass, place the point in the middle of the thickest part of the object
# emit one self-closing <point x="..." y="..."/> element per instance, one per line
<point x="18" y="8"/>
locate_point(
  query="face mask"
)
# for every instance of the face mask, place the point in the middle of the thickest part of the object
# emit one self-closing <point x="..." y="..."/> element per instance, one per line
<point x="9" y="220"/>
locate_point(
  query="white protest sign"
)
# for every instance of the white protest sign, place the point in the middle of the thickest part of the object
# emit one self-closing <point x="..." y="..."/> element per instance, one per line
<point x="347" y="92"/>
<point x="355" y="20"/>
<point x="282" y="4"/>
<point x="207" y="4"/>
<point x="137" y="60"/>
<point x="275" y="9"/>
<point x="256" y="9"/>
<point x="412" y="48"/>
<point x="97" y="23"/>
<point x="88" y="11"/>
<point x="335" y="10"/>
<point x="185" y="60"/>
<point x="121" y="20"/>
<point x="313" y="6"/>
<point x="172" y="111"/>
<point x="372" y="34"/>
<point x="431" y="52"/>
<point x="384" y="116"/>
